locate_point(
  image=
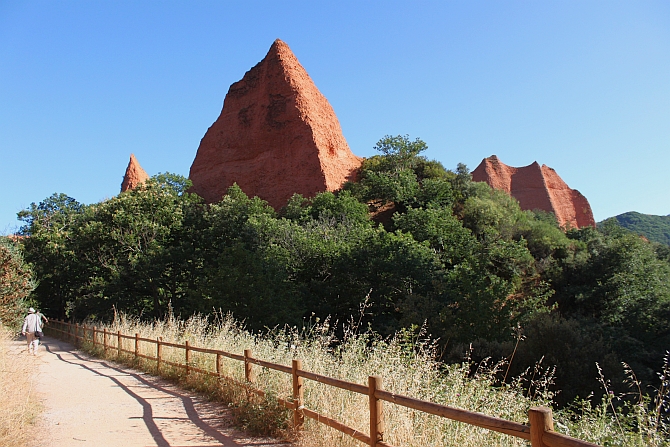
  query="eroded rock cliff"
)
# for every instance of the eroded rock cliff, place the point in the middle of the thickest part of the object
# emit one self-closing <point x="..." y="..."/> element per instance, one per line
<point x="537" y="187"/>
<point x="277" y="135"/>
<point x="134" y="175"/>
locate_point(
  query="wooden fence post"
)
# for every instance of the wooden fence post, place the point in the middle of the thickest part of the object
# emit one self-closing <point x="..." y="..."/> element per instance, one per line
<point x="104" y="339"/>
<point x="118" y="343"/>
<point x="76" y="334"/>
<point x="159" y="353"/>
<point x="188" y="358"/>
<point x="541" y="421"/>
<point x="137" y="345"/>
<point x="298" y="394"/>
<point x="219" y="359"/>
<point x="248" y="373"/>
<point x="376" y="411"/>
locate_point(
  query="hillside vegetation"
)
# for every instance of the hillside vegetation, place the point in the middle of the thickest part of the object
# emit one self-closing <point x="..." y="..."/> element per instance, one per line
<point x="440" y="252"/>
<point x="654" y="228"/>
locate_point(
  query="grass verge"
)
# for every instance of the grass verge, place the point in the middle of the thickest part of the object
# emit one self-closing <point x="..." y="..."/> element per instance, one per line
<point x="19" y="407"/>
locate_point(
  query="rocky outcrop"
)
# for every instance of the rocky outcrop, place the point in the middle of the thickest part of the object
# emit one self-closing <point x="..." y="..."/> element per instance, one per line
<point x="537" y="187"/>
<point x="134" y="175"/>
<point x="277" y="135"/>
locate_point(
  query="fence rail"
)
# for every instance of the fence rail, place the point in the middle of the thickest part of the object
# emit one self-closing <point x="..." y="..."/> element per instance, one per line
<point x="540" y="431"/>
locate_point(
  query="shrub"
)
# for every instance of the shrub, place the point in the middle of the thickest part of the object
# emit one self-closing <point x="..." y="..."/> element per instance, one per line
<point x="15" y="283"/>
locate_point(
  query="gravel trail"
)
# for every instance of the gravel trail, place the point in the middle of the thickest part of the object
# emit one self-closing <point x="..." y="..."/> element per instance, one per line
<point x="93" y="402"/>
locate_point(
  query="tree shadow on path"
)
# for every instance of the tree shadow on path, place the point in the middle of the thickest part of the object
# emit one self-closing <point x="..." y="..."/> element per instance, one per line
<point x="58" y="348"/>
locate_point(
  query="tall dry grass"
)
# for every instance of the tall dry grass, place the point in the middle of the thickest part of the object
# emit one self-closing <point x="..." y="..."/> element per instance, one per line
<point x="407" y="366"/>
<point x="19" y="407"/>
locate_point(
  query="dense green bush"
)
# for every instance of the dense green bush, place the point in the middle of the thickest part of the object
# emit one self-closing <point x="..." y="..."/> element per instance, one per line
<point x="16" y="283"/>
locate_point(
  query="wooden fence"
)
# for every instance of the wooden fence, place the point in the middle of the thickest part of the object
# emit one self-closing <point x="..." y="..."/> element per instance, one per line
<point x="540" y="432"/>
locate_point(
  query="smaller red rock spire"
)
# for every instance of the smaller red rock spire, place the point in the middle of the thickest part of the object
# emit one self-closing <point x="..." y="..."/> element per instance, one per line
<point x="537" y="187"/>
<point x="135" y="175"/>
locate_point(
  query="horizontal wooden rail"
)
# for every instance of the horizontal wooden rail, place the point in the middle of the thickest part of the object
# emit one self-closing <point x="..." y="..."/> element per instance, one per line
<point x="216" y="351"/>
<point x="275" y="366"/>
<point x="175" y="364"/>
<point x="337" y="425"/>
<point x="540" y="431"/>
<point x="553" y="439"/>
<point x="343" y="384"/>
<point x="172" y="345"/>
<point x="457" y="414"/>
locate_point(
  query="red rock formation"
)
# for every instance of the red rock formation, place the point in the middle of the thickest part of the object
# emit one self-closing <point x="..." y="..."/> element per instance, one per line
<point x="134" y="175"/>
<point x="277" y="135"/>
<point x="537" y="187"/>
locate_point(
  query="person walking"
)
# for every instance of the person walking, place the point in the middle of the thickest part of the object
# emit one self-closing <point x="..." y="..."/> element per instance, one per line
<point x="32" y="324"/>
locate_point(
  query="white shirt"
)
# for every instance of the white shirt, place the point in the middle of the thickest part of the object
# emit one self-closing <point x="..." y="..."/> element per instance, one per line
<point x="32" y="323"/>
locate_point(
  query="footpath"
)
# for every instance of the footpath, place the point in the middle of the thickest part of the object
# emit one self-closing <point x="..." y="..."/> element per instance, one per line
<point x="93" y="402"/>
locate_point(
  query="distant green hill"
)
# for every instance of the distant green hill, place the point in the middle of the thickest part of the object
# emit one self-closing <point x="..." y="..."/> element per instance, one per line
<point x="654" y="228"/>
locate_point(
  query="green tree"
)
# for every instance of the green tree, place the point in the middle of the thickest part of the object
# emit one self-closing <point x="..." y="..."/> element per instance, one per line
<point x="393" y="176"/>
<point x="337" y="208"/>
<point x="400" y="153"/>
<point x="49" y="249"/>
<point x="132" y="248"/>
<point x="16" y="282"/>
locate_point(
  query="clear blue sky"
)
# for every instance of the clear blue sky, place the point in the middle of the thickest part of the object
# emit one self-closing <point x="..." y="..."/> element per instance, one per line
<point x="582" y="86"/>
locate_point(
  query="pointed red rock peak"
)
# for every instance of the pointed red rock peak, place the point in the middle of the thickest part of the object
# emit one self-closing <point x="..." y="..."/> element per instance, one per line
<point x="277" y="135"/>
<point x="537" y="187"/>
<point x="134" y="175"/>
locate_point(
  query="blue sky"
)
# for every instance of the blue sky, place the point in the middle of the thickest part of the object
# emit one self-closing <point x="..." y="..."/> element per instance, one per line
<point x="582" y="86"/>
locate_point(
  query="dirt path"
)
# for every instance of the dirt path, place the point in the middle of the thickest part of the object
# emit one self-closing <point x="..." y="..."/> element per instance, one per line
<point x="93" y="402"/>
